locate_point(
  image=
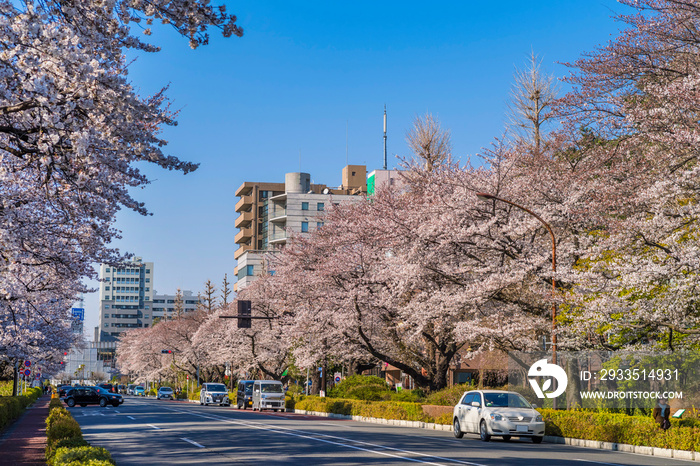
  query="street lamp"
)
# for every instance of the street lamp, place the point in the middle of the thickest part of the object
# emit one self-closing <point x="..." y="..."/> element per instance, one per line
<point x="487" y="197"/>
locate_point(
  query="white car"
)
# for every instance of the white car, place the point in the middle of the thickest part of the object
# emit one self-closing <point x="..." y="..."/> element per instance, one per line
<point x="165" y="392"/>
<point x="499" y="413"/>
<point x="215" y="393"/>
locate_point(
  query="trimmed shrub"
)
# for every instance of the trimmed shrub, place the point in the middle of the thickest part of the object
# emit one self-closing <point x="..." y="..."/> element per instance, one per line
<point x="81" y="455"/>
<point x="621" y="428"/>
<point x="12" y="407"/>
<point x="445" y="419"/>
<point x="361" y="387"/>
<point x="378" y="409"/>
<point x="448" y="396"/>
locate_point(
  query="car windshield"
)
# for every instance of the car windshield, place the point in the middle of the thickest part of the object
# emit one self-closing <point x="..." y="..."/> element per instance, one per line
<point x="505" y="400"/>
<point x="271" y="387"/>
<point x="166" y="389"/>
<point x="216" y="387"/>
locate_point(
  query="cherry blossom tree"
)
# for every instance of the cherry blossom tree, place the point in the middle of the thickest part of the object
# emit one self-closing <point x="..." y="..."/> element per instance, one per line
<point x="72" y="127"/>
<point x="636" y="101"/>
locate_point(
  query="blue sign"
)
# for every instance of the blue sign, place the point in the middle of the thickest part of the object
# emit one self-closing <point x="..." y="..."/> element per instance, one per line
<point x="78" y="313"/>
<point x="310" y="382"/>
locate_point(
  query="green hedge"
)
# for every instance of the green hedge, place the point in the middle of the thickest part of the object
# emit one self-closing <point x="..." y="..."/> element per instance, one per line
<point x="621" y="428"/>
<point x="380" y="409"/>
<point x="81" y="456"/>
<point x="65" y="443"/>
<point x="12" y="407"/>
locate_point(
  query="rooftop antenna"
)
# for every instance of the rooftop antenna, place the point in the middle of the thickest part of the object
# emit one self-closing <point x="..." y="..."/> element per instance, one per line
<point x="384" y="136"/>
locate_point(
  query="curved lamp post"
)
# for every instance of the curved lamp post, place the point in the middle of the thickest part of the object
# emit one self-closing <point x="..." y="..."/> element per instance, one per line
<point x="487" y="197"/>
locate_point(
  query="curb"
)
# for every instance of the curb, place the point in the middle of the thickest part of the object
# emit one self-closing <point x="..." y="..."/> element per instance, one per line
<point x="594" y="444"/>
<point x="625" y="448"/>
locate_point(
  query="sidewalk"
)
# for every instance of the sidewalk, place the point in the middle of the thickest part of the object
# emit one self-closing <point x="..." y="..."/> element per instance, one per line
<point x="24" y="441"/>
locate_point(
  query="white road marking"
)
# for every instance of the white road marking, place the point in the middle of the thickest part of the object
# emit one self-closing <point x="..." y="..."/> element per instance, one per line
<point x="339" y="441"/>
<point x="132" y="418"/>
<point x="192" y="442"/>
<point x="596" y="462"/>
<point x="155" y="427"/>
<point x="117" y="411"/>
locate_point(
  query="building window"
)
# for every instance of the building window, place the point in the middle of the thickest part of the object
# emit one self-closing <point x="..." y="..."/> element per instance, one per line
<point x="148" y="270"/>
<point x="320" y="206"/>
<point x="107" y="316"/>
<point x="145" y="316"/>
<point x="107" y="288"/>
<point x="304" y="227"/>
<point x="319" y="225"/>
<point x="148" y="280"/>
<point x="145" y="325"/>
<point x="148" y="289"/>
<point x="106" y="306"/>
<point x="106" y="325"/>
<point x="107" y="269"/>
<point x="107" y="279"/>
<point x="249" y="270"/>
<point x="146" y="307"/>
<point x="146" y="298"/>
<point x="304" y="206"/>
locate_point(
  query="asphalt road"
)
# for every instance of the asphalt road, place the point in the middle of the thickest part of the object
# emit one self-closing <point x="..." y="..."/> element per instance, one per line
<point x="152" y="432"/>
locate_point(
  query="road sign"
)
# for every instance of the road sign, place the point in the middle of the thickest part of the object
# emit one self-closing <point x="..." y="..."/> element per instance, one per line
<point x="311" y="382"/>
<point x="188" y="377"/>
<point x="78" y="313"/>
<point x="38" y="376"/>
<point x="27" y="372"/>
<point x="336" y="377"/>
<point x="27" y="363"/>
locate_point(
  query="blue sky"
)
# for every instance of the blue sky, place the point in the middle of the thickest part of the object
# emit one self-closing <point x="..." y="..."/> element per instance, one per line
<point x="303" y="73"/>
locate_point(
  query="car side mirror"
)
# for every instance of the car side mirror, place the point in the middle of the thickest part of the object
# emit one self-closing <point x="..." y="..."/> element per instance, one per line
<point x="534" y="406"/>
<point x="476" y="404"/>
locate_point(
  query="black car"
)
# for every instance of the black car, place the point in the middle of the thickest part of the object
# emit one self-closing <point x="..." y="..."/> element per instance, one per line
<point x="62" y="389"/>
<point x="108" y="386"/>
<point x="84" y="396"/>
<point x="244" y="396"/>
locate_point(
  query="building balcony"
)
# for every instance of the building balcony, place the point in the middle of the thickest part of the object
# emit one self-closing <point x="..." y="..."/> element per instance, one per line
<point x="278" y="215"/>
<point x="244" y="203"/>
<point x="241" y="250"/>
<point x="278" y="239"/>
<point x="244" y="235"/>
<point x="244" y="219"/>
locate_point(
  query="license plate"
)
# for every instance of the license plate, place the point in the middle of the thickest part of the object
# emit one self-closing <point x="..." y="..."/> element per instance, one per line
<point x="521" y="428"/>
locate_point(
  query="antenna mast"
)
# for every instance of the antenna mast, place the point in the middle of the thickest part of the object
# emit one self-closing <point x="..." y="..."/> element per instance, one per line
<point x="384" y="136"/>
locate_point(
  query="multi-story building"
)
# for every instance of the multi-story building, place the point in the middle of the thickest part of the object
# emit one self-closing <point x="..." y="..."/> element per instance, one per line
<point x="169" y="305"/>
<point x="269" y="212"/>
<point x="126" y="296"/>
<point x="378" y="178"/>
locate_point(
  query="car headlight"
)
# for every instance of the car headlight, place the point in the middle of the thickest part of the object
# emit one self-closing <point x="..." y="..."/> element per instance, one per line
<point x="496" y="417"/>
<point x="539" y="418"/>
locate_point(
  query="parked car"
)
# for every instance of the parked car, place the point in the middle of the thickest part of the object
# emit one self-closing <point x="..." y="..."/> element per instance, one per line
<point x="497" y="412"/>
<point x="268" y="394"/>
<point x="214" y="393"/>
<point x="121" y="389"/>
<point x="244" y="395"/>
<point x="62" y="389"/>
<point x="130" y="389"/>
<point x="139" y="391"/>
<point x="84" y="396"/>
<point x="165" y="392"/>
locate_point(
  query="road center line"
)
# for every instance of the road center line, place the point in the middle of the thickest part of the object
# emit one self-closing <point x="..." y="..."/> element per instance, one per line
<point x="192" y="442"/>
<point x="339" y="441"/>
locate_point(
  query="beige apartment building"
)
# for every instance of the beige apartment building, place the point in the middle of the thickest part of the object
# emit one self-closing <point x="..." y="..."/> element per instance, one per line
<point x="268" y="212"/>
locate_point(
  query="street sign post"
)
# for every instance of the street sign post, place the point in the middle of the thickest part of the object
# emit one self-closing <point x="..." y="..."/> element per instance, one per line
<point x="27" y="372"/>
<point x="27" y="363"/>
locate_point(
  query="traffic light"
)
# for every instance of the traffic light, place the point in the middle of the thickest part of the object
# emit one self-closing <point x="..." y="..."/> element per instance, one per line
<point x="244" y="309"/>
<point x="166" y="351"/>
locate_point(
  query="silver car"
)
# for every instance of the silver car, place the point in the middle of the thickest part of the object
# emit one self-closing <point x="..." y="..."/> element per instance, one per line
<point x="165" y="392"/>
<point x="214" y="393"/>
<point x="499" y="413"/>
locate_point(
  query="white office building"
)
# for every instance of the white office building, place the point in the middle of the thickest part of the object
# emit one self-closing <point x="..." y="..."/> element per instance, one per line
<point x="126" y="297"/>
